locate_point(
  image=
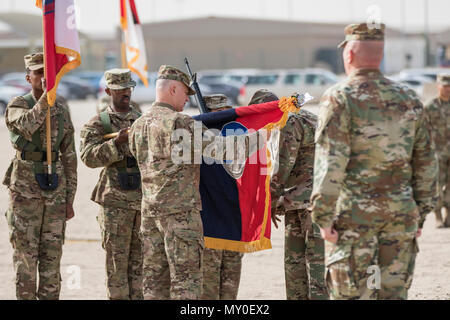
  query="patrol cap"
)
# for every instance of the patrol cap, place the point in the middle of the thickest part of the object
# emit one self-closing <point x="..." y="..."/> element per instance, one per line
<point x="117" y="79"/>
<point x="262" y="96"/>
<point x="172" y="73"/>
<point x="34" y="61"/>
<point x="363" y="32"/>
<point x="216" y="101"/>
<point x="443" y="79"/>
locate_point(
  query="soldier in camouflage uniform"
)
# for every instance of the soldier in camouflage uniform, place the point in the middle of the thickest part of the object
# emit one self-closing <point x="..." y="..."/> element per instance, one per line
<point x="438" y="115"/>
<point x="118" y="190"/>
<point x="36" y="217"/>
<point x="221" y="268"/>
<point x="375" y="175"/>
<point x="303" y="245"/>
<point x="171" y="227"/>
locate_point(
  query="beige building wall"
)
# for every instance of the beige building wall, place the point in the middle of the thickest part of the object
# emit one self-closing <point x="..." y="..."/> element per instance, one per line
<point x="227" y="52"/>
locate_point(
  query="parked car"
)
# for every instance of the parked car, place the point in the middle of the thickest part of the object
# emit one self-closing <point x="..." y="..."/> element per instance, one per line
<point x="92" y="77"/>
<point x="231" y="91"/>
<point x="17" y="79"/>
<point x="7" y="93"/>
<point x="236" y="78"/>
<point x="415" y="82"/>
<point x="78" y="88"/>
<point x="430" y="73"/>
<point x="286" y="82"/>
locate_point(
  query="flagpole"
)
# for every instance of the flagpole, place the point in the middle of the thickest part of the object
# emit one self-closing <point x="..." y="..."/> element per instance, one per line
<point x="124" y="55"/>
<point x="49" y="142"/>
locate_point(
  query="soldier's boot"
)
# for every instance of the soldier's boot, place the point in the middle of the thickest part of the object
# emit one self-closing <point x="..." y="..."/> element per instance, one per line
<point x="439" y="221"/>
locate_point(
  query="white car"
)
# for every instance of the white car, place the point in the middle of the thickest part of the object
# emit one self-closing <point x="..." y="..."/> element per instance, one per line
<point x="415" y="82"/>
<point x="285" y="82"/>
<point x="430" y="73"/>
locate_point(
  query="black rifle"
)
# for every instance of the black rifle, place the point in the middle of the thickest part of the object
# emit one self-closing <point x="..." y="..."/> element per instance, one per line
<point x="198" y="94"/>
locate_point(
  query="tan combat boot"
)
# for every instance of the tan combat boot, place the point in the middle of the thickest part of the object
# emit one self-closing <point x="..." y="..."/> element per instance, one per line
<point x="439" y="221"/>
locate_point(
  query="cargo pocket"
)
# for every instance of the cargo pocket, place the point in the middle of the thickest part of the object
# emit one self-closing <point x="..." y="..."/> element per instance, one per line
<point x="188" y="254"/>
<point x="339" y="271"/>
<point x="412" y="263"/>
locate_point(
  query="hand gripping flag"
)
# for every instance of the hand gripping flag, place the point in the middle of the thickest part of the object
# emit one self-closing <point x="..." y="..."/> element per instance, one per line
<point x="61" y="43"/>
<point x="136" y="56"/>
<point x="236" y="202"/>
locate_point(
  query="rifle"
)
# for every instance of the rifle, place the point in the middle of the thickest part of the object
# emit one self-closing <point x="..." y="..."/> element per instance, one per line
<point x="200" y="102"/>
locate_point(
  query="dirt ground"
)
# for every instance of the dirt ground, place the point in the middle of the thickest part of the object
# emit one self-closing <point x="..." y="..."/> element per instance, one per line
<point x="82" y="265"/>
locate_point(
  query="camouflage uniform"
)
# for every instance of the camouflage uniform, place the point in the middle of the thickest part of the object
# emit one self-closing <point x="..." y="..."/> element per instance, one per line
<point x="438" y="114"/>
<point x="221" y="268"/>
<point x="120" y="215"/>
<point x="303" y="245"/>
<point x="375" y="166"/>
<point x="37" y="218"/>
<point x="172" y="228"/>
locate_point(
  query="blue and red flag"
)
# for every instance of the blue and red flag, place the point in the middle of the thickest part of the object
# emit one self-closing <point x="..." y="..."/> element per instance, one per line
<point x="236" y="205"/>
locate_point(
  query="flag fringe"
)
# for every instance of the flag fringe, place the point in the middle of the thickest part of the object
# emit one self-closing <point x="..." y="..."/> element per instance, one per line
<point x="51" y="95"/>
<point x="286" y="105"/>
<point x="239" y="246"/>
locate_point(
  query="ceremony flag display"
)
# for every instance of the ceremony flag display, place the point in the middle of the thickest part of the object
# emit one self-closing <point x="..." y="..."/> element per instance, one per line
<point x="136" y="56"/>
<point x="236" y="205"/>
<point x="61" y="43"/>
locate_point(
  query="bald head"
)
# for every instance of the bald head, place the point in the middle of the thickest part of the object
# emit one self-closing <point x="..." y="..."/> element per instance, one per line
<point x="172" y="92"/>
<point x="363" y="55"/>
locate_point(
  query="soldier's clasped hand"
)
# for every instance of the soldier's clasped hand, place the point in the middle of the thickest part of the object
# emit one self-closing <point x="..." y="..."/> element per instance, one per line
<point x="122" y="137"/>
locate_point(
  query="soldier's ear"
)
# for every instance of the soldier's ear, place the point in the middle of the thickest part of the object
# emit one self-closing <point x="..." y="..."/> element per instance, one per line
<point x="108" y="92"/>
<point x="350" y="56"/>
<point x="173" y="89"/>
<point x="27" y="77"/>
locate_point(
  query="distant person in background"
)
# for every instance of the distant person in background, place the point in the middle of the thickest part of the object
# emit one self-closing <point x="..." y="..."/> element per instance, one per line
<point x="438" y="114"/>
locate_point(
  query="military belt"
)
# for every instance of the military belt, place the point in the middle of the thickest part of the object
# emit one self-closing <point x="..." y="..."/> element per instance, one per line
<point x="39" y="156"/>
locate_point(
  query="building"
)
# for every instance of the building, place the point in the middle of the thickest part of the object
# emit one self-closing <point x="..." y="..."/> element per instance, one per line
<point x="224" y="43"/>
